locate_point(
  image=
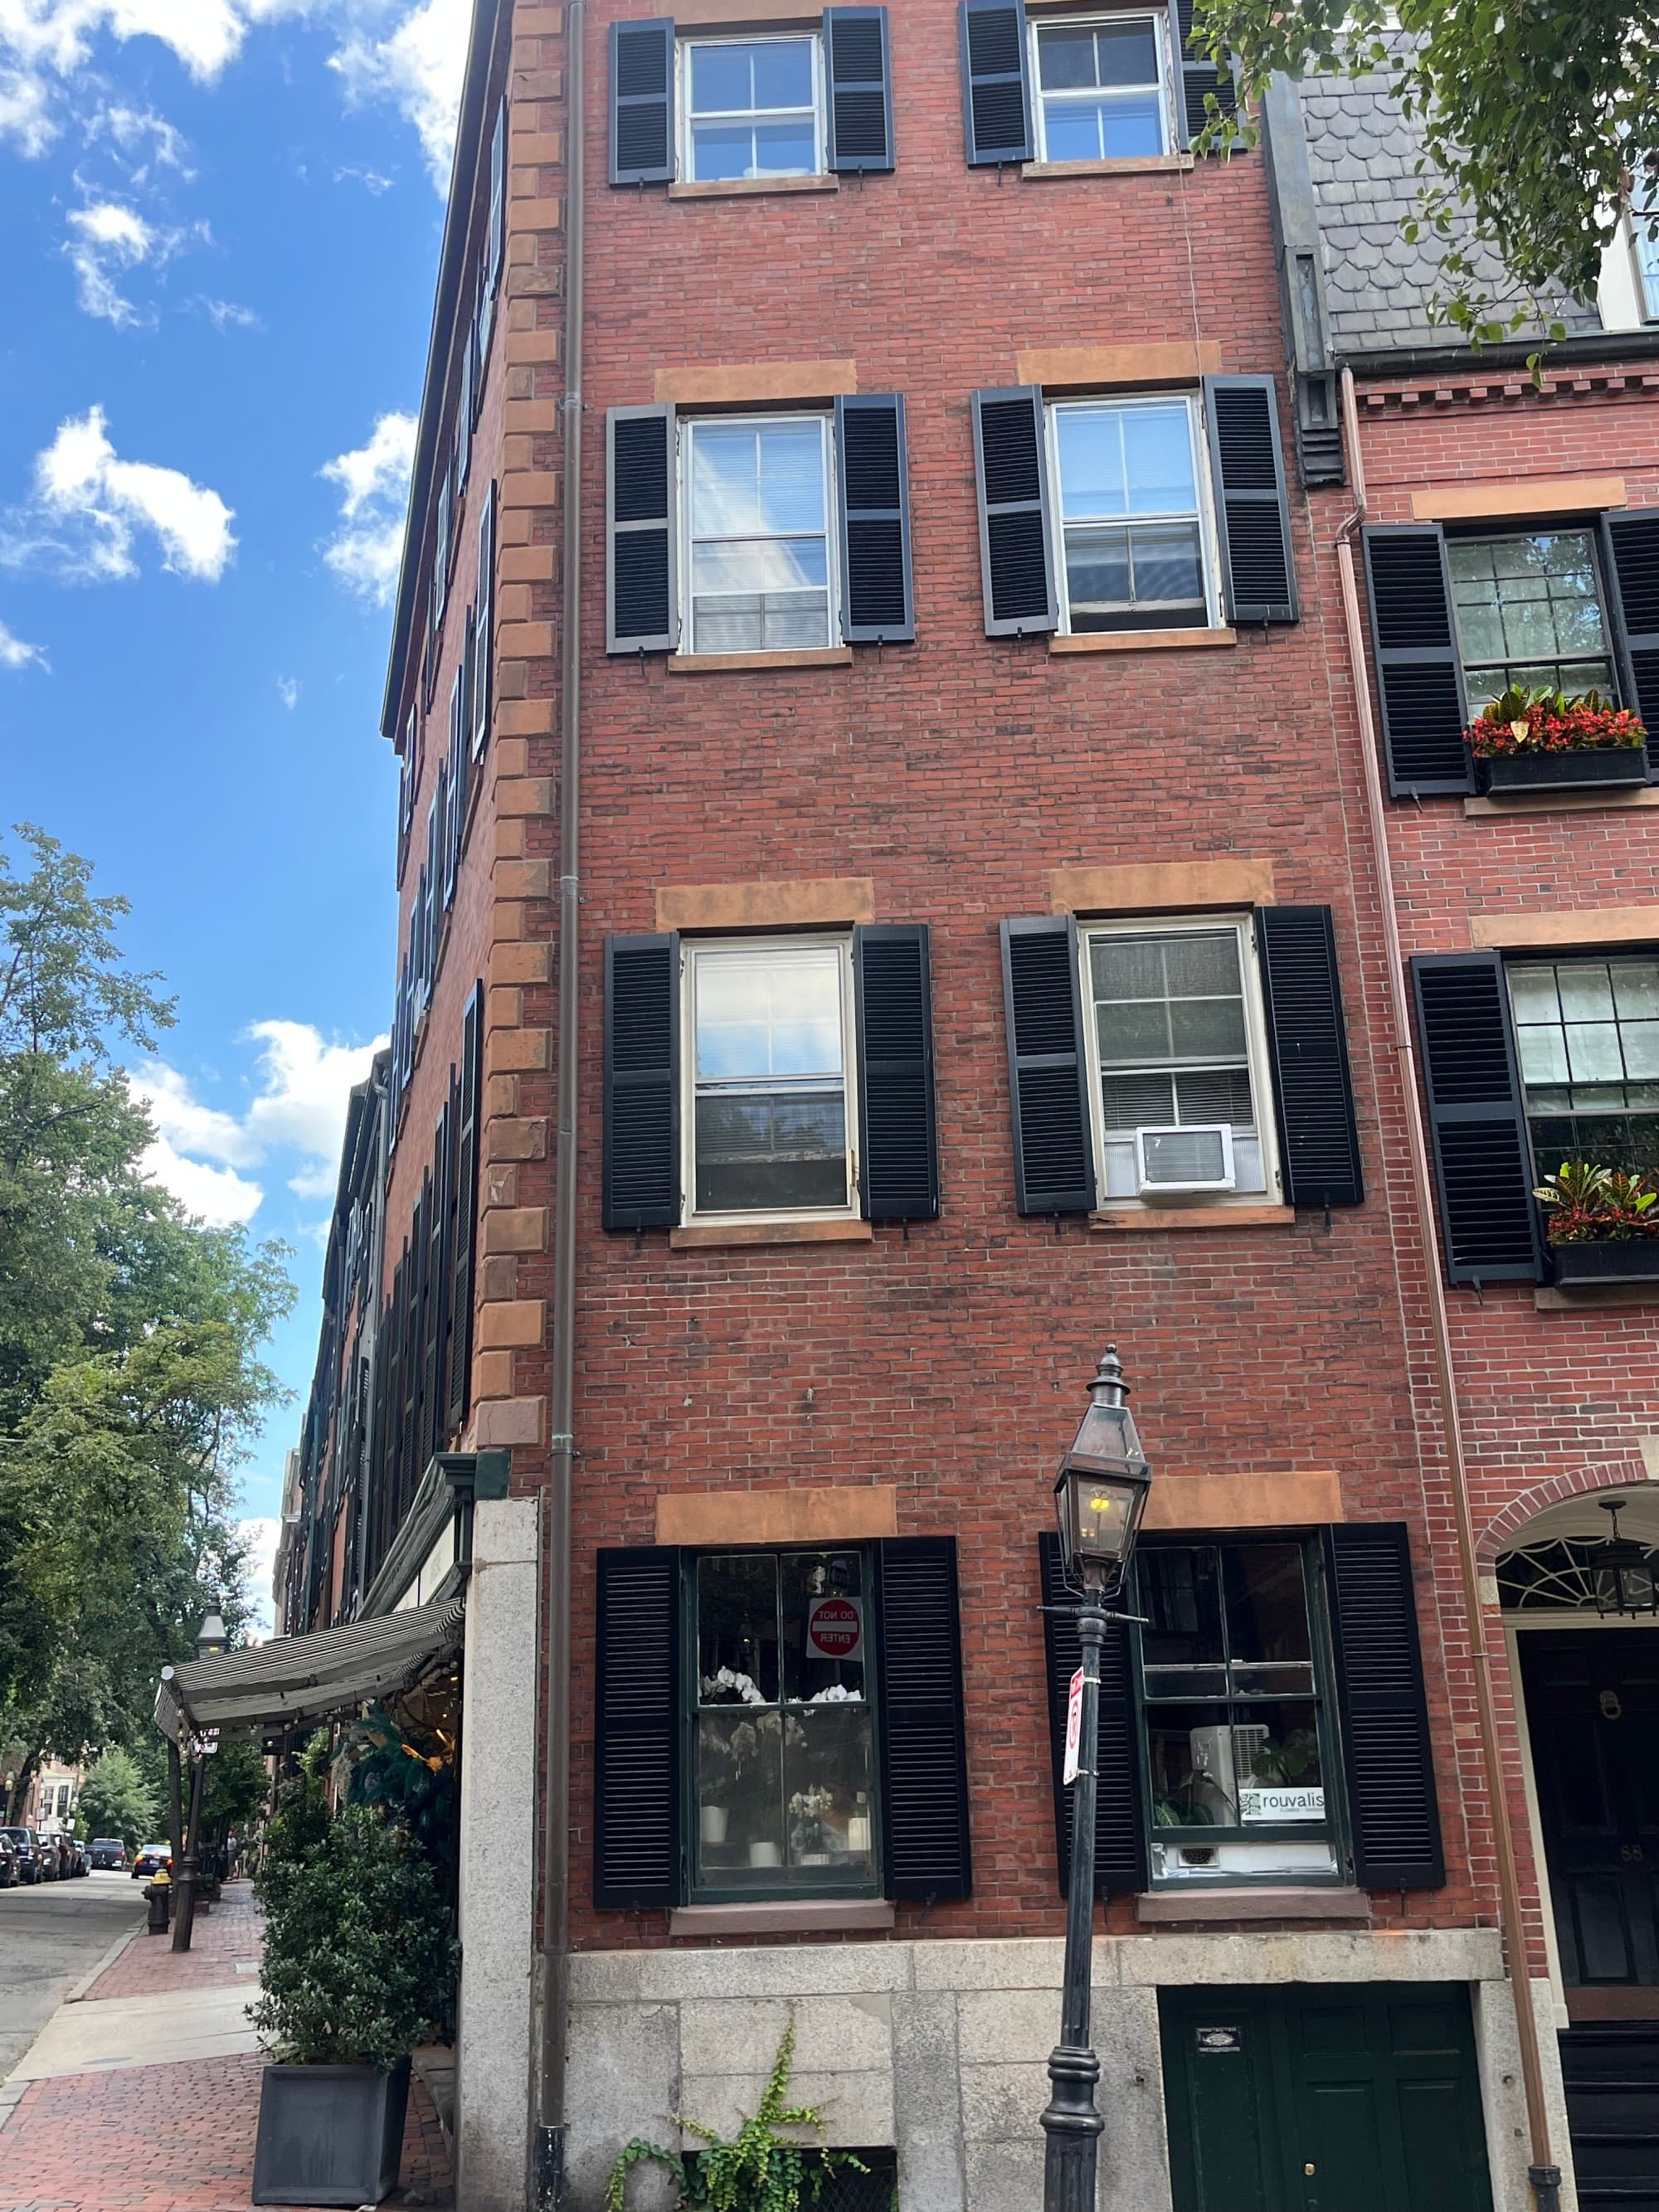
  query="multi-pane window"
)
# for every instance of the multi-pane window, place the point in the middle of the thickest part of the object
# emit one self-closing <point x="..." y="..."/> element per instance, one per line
<point x="782" y="1753"/>
<point x="1100" y="88"/>
<point x="1530" y="611"/>
<point x="1240" y="1761"/>
<point x="1586" y="1032"/>
<point x="1645" y="236"/>
<point x="760" y="554"/>
<point x="767" y="1129"/>
<point x="751" y="108"/>
<point x="1180" y="1092"/>
<point x="1127" y="488"/>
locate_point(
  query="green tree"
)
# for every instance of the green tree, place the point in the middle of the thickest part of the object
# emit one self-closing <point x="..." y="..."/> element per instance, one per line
<point x="1539" y="125"/>
<point x="116" y="1801"/>
<point x="234" y="1787"/>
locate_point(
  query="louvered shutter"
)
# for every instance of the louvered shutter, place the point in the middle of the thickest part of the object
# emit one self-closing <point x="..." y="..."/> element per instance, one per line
<point x="1632" y="545"/>
<point x="898" y="1144"/>
<point x="1387" y="1758"/>
<point x="1253" y="511"/>
<point x="996" y="97"/>
<point x="483" y="628"/>
<point x="452" y="784"/>
<point x="1016" y="538"/>
<point x="1313" y="1087"/>
<point x="1197" y="75"/>
<point x="465" y="1233"/>
<point x="641" y="1082"/>
<point x="1047" y="1073"/>
<point x="483" y="317"/>
<point x="924" y="1753"/>
<point x="1419" y="675"/>
<point x="433" y="1364"/>
<point x="860" y="88"/>
<point x="464" y="407"/>
<point x="642" y="102"/>
<point x="428" y="938"/>
<point x="409" y="1469"/>
<point x="875" y="521"/>
<point x="1482" y="1159"/>
<point x="637" y="1857"/>
<point x="640" y="612"/>
<point x="497" y="242"/>
<point x="392" y="1415"/>
<point x="1120" y="1850"/>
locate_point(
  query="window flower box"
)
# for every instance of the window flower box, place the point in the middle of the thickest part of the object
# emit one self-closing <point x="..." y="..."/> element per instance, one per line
<point x="1636" y="1260"/>
<point x="1590" y="769"/>
<point x="1543" y="741"/>
<point x="1603" y="1223"/>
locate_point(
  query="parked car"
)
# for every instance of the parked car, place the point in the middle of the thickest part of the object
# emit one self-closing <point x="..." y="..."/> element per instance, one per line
<point x="9" y="1874"/>
<point x="31" y="1860"/>
<point x="108" y="1854"/>
<point x="57" y="1860"/>
<point x="152" y="1857"/>
<point x="79" y="1863"/>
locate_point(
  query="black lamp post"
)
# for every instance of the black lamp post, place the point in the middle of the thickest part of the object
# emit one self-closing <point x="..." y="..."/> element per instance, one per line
<point x="1100" y="1495"/>
<point x="210" y="1640"/>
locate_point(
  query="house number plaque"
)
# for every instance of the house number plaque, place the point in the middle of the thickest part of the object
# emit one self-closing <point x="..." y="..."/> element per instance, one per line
<point x="1212" y="2039"/>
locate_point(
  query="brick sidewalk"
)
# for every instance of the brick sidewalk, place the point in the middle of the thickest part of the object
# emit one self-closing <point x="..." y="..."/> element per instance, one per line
<point x="220" y="1942"/>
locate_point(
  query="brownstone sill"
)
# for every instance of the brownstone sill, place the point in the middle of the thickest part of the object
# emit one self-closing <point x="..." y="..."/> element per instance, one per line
<point x="1195" y="1217"/>
<point x="1220" y="1908"/>
<point x="1564" y="802"/>
<point x="713" y="664"/>
<point x="1584" y="1298"/>
<point x="746" y="188"/>
<point x="789" y="1917"/>
<point x="710" y="1236"/>
<point x="1141" y="640"/>
<point x="1122" y="165"/>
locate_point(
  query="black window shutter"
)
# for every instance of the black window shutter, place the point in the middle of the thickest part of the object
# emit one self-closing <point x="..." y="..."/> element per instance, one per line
<point x="642" y="102"/>
<point x="1196" y="76"/>
<point x="996" y="98"/>
<point x="875" y="519"/>
<point x="436" y="1354"/>
<point x="1120" y="1853"/>
<point x="408" y="1469"/>
<point x="924" y="1750"/>
<point x="1313" y="1087"/>
<point x="898" y="1141"/>
<point x="1482" y="1159"/>
<point x="1419" y="674"/>
<point x="483" y="628"/>
<point x="640" y="614"/>
<point x="1016" y="538"/>
<point x="1048" y="1073"/>
<point x="1387" y="1758"/>
<point x="1247" y="460"/>
<point x="860" y="88"/>
<point x="1631" y="544"/>
<point x="498" y="196"/>
<point x="465" y="1235"/>
<point x="636" y="1730"/>
<point x="641" y="1082"/>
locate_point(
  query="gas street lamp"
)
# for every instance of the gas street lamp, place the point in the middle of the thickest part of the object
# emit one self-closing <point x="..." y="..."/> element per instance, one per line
<point x="1100" y="1495"/>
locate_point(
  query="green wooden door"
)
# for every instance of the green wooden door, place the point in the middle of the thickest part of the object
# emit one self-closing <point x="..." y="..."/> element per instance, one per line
<point x="1323" y="2100"/>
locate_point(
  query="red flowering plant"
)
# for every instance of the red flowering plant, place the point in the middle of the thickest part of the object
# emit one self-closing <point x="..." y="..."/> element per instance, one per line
<point x="1591" y="1204"/>
<point x="1522" y="721"/>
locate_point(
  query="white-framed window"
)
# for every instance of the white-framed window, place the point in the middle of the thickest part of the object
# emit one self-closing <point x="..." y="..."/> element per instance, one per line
<point x="768" y="1113"/>
<point x="760" y="555"/>
<point x="1102" y="86"/>
<point x="1644" y="243"/>
<point x="751" y="108"/>
<point x="1131" y="496"/>
<point x="1177" y="1040"/>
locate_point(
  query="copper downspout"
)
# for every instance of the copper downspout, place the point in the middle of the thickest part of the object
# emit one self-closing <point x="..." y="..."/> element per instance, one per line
<point x="1544" y="2175"/>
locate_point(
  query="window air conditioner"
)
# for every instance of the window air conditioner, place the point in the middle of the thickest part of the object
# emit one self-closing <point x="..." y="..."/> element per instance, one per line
<point x="1170" y="1161"/>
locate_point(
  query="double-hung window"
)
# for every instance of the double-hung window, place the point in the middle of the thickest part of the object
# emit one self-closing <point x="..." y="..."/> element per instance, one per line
<point x="1102" y="88"/>
<point x="1531" y="610"/>
<point x="1181" y="1097"/>
<point x="760" y="551"/>
<point x="768" y="1129"/>
<point x="1587" y="1037"/>
<point x="1132" y="499"/>
<point x="750" y="109"/>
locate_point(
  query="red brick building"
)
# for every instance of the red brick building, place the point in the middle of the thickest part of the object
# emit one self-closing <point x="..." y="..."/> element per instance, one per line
<point x="872" y="619"/>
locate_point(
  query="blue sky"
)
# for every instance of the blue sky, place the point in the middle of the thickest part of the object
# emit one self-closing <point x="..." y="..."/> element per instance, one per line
<point x="219" y="227"/>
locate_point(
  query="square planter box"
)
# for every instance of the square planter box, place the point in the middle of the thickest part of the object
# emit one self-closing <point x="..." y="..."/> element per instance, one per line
<point x="330" y="2134"/>
<point x="1637" y="1261"/>
<point x="1612" y="765"/>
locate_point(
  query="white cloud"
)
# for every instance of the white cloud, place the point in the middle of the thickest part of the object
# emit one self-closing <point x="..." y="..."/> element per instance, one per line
<point x="227" y="315"/>
<point x="182" y="1120"/>
<point x="288" y="691"/>
<point x="136" y="131"/>
<point x="419" y="67"/>
<point x="15" y="653"/>
<point x="364" y="551"/>
<point x="260" y="1536"/>
<point x="88" y="505"/>
<point x="105" y="239"/>
<point x="371" y="179"/>
<point x="308" y="1084"/>
<point x="220" y="1196"/>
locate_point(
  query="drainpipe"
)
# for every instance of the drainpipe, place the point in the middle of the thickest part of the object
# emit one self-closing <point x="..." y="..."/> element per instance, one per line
<point x="550" y="2150"/>
<point x="1543" y="2175"/>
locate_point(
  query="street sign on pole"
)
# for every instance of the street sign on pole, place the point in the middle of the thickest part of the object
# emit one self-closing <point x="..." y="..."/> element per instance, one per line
<point x="1073" y="1728"/>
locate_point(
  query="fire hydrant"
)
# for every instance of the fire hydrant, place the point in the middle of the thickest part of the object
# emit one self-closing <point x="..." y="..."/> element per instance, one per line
<point x="158" y="1892"/>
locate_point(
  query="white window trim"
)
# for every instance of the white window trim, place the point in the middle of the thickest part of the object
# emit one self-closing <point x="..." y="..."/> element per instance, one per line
<point x="1255" y="1048"/>
<point x="683" y="46"/>
<point x="686" y="434"/>
<point x="1158" y="17"/>
<point x="1208" y="552"/>
<point x="690" y="951"/>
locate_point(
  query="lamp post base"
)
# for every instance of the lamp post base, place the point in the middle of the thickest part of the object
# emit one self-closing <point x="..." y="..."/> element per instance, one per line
<point x="1073" y="2128"/>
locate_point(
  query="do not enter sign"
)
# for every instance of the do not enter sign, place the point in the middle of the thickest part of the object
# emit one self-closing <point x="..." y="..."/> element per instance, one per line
<point x="835" y="1628"/>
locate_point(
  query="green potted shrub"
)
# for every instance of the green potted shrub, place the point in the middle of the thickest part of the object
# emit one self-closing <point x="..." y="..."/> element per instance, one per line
<point x="359" y="1966"/>
<point x="1601" y="1223"/>
<point x="1544" y="741"/>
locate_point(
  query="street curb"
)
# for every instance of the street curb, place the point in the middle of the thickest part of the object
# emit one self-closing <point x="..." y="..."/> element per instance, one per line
<point x="12" y="2093"/>
<point x="79" y="1992"/>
